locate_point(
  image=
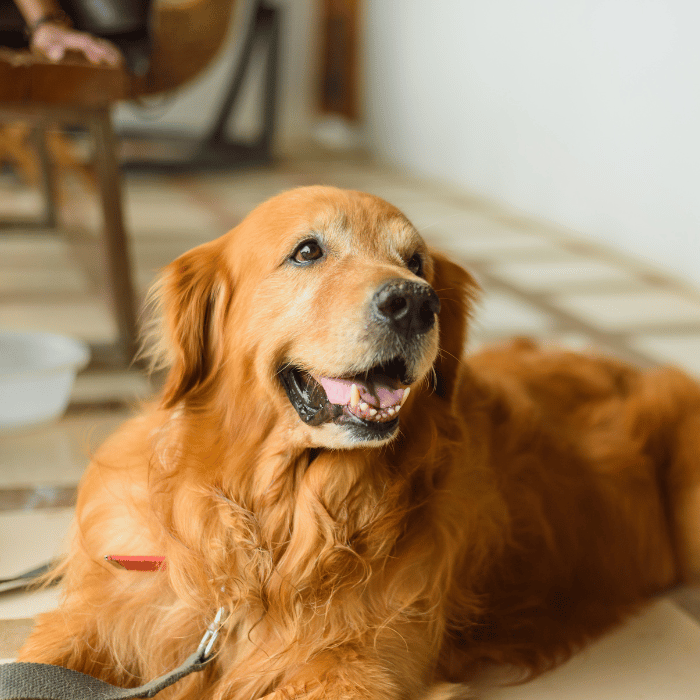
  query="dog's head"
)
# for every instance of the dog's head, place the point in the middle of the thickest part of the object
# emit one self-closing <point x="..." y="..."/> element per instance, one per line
<point x="324" y="306"/>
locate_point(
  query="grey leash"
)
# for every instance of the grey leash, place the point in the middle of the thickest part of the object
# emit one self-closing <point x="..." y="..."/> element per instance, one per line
<point x="25" y="581"/>
<point x="30" y="681"/>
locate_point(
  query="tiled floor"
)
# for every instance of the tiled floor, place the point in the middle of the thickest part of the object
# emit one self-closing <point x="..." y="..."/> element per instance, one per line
<point x="538" y="279"/>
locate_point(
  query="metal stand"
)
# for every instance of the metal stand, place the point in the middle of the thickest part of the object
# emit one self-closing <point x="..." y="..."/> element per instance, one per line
<point x="216" y="150"/>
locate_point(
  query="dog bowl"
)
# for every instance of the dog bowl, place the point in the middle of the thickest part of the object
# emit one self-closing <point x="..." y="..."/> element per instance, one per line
<point x="37" y="371"/>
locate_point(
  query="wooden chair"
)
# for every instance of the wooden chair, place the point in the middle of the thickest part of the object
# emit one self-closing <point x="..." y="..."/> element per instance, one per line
<point x="73" y="92"/>
<point x="185" y="38"/>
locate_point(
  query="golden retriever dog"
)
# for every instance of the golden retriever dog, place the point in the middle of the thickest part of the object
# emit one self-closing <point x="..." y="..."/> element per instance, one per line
<point x="377" y="513"/>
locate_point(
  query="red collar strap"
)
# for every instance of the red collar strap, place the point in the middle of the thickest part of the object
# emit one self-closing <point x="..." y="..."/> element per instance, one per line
<point x="139" y="563"/>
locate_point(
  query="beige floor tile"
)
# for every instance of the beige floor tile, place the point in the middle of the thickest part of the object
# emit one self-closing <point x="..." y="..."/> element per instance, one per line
<point x="30" y="539"/>
<point x="148" y="185"/>
<point x="55" y="454"/>
<point x="29" y="250"/>
<point x="507" y="246"/>
<point x="45" y="455"/>
<point x="561" y="276"/>
<point x="19" y="202"/>
<point x="687" y="597"/>
<point x="47" y="280"/>
<point x="652" y="657"/>
<point x="83" y="213"/>
<point x="465" y="226"/>
<point x="263" y="182"/>
<point x="501" y="315"/>
<point x="234" y="206"/>
<point x="240" y="193"/>
<point x="174" y="218"/>
<point x="18" y="606"/>
<point x="172" y="199"/>
<point x="89" y="319"/>
<point x="388" y="183"/>
<point x="154" y="254"/>
<point x="99" y="387"/>
<point x="431" y="214"/>
<point x="399" y="193"/>
<point x="681" y="349"/>
<point x="233" y="195"/>
<point x="13" y="634"/>
<point x="631" y="310"/>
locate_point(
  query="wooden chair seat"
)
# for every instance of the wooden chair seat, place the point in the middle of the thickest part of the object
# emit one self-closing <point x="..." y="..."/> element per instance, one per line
<point x="72" y="82"/>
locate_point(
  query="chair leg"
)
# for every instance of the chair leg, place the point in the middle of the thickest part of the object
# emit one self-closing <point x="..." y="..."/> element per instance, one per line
<point x="47" y="180"/>
<point x="116" y="248"/>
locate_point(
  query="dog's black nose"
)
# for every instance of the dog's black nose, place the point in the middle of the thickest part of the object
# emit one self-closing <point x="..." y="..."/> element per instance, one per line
<point x="408" y="307"/>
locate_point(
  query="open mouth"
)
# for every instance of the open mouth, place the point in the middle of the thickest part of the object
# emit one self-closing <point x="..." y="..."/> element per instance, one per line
<point x="371" y="399"/>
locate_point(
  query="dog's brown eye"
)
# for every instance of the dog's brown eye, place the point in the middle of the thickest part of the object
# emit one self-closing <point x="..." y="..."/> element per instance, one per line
<point x="415" y="265"/>
<point x="307" y="252"/>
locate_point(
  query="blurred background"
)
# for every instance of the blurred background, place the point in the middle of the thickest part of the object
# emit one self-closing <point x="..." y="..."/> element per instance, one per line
<point x="584" y="113"/>
<point x="551" y="146"/>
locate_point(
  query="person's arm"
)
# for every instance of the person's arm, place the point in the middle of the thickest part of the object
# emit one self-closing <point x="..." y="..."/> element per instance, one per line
<point x="51" y="34"/>
<point x="35" y="10"/>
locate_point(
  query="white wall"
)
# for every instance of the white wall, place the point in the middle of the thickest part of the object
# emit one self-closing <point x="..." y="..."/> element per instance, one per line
<point x="584" y="112"/>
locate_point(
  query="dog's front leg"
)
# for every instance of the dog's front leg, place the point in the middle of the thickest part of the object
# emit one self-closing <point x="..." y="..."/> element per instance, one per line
<point x="397" y="667"/>
<point x="328" y="690"/>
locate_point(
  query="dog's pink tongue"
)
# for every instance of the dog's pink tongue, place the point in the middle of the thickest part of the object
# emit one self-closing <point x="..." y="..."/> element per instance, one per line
<point x="375" y="393"/>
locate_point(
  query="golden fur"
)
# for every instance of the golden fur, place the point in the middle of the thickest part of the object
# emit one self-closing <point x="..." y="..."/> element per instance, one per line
<point x="528" y="502"/>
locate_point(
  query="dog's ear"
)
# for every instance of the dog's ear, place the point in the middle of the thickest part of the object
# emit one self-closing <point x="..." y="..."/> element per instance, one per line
<point x="457" y="291"/>
<point x="190" y="300"/>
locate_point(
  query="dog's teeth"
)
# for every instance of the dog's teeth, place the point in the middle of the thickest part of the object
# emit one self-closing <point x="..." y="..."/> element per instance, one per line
<point x="372" y="412"/>
<point x="390" y="411"/>
<point x="397" y="409"/>
<point x="364" y="406"/>
<point x="354" y="395"/>
<point x="406" y="392"/>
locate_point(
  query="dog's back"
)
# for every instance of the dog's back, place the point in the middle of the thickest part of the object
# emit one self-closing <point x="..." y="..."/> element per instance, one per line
<point x="598" y="467"/>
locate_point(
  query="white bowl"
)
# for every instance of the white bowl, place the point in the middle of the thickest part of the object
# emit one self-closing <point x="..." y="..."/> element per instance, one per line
<point x="37" y="371"/>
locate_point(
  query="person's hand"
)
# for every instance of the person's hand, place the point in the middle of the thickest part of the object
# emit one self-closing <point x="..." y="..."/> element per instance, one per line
<point x="53" y="40"/>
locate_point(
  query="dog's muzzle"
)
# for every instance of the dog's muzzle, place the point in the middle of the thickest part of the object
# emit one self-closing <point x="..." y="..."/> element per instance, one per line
<point x="400" y="315"/>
